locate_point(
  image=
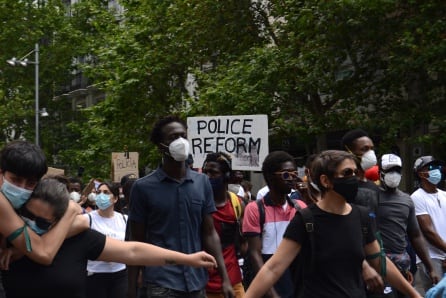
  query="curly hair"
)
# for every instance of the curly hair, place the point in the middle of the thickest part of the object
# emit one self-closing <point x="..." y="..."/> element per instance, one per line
<point x="222" y="158"/>
<point x="273" y="163"/>
<point x="157" y="132"/>
<point x="351" y="136"/>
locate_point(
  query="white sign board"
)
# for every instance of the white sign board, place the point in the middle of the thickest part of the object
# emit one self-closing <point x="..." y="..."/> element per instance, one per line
<point x="244" y="137"/>
<point x="124" y="163"/>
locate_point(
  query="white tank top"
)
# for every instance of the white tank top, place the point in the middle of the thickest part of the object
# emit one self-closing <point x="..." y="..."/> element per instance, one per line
<point x="113" y="227"/>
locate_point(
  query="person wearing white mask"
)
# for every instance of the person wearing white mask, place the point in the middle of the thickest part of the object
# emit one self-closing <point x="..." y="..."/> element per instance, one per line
<point x="358" y="142"/>
<point x="430" y="210"/>
<point x="107" y="279"/>
<point x="172" y="208"/>
<point x="395" y="219"/>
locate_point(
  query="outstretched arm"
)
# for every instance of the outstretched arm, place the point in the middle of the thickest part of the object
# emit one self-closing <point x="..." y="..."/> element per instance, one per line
<point x="144" y="254"/>
<point x="43" y="248"/>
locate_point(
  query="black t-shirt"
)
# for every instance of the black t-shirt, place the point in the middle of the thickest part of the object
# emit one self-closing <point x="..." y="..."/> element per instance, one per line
<point x="65" y="277"/>
<point x="338" y="253"/>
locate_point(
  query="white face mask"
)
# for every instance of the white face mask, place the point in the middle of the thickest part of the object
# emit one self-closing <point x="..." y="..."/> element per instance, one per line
<point x="91" y="197"/>
<point x="75" y="196"/>
<point x="179" y="149"/>
<point x="392" y="179"/>
<point x="368" y="160"/>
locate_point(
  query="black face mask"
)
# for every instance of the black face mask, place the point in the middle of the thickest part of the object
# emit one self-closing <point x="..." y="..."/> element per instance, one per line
<point x="346" y="187"/>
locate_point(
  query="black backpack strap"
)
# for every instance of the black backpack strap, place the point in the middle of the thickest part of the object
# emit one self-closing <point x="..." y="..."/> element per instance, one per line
<point x="261" y="215"/>
<point x="365" y="218"/>
<point x="308" y="220"/>
<point x="293" y="203"/>
<point x="89" y="216"/>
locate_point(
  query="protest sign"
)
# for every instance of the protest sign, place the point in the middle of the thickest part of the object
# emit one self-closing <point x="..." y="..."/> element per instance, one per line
<point x="124" y="163"/>
<point x="243" y="137"/>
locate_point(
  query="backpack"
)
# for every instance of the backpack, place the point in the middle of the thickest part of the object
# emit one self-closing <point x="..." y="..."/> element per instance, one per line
<point x="304" y="261"/>
<point x="236" y="205"/>
<point x="261" y="208"/>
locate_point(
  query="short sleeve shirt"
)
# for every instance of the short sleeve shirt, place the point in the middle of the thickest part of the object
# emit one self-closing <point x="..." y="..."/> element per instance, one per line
<point x="173" y="213"/>
<point x="433" y="204"/>
<point x="338" y="253"/>
<point x="395" y="219"/>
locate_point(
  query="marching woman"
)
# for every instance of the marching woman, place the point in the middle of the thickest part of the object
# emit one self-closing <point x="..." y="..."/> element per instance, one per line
<point x="107" y="279"/>
<point x="334" y="244"/>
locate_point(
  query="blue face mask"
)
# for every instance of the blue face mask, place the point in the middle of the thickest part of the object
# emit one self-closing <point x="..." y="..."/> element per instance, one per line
<point x="434" y="176"/>
<point x="217" y="184"/>
<point x="103" y="201"/>
<point x="35" y="226"/>
<point x="17" y="196"/>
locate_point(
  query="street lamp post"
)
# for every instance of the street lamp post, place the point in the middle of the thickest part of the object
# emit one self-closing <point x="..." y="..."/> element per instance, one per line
<point x="24" y="62"/>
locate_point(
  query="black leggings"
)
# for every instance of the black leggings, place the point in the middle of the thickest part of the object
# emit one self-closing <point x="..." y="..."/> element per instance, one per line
<point x="107" y="285"/>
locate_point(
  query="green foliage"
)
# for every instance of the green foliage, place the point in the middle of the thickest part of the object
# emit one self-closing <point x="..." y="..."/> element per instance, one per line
<point x="314" y="67"/>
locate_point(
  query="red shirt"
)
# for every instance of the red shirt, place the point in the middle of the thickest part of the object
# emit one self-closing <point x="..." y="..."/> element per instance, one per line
<point x="225" y="214"/>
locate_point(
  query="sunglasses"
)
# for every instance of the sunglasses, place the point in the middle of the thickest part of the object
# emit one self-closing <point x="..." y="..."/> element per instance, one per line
<point x="42" y="223"/>
<point x="348" y="172"/>
<point x="287" y="175"/>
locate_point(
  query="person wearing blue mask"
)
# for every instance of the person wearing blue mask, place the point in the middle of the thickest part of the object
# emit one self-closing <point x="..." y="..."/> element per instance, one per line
<point x="66" y="276"/>
<point x="397" y="223"/>
<point x="430" y="210"/>
<point x="22" y="164"/>
<point x="107" y="279"/>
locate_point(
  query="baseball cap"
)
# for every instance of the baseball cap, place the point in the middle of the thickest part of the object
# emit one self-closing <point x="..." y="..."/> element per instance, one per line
<point x="389" y="161"/>
<point x="423" y="161"/>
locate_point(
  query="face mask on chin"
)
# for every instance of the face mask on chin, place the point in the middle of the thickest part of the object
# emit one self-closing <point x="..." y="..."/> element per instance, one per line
<point x="34" y="226"/>
<point x="179" y="149"/>
<point x="368" y="160"/>
<point x="17" y="196"/>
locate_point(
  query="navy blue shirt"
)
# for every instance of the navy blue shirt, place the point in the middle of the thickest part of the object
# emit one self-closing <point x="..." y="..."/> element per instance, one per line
<point x="173" y="213"/>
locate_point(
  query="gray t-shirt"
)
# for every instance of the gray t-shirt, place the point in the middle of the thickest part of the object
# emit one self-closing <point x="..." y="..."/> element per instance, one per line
<point x="395" y="219"/>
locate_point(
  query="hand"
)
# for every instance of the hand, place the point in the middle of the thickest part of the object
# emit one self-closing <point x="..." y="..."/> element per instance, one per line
<point x="228" y="291"/>
<point x="74" y="207"/>
<point x="409" y="277"/>
<point x="7" y="255"/>
<point x="434" y="277"/>
<point x="203" y="259"/>
<point x="372" y="279"/>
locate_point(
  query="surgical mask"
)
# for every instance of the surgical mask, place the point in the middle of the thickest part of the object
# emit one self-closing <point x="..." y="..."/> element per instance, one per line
<point x="217" y="184"/>
<point x="368" y="160"/>
<point x="434" y="176"/>
<point x="39" y="228"/>
<point x="103" y="201"/>
<point x="179" y="149"/>
<point x="392" y="179"/>
<point x="17" y="196"/>
<point x="347" y="187"/>
<point x="75" y="196"/>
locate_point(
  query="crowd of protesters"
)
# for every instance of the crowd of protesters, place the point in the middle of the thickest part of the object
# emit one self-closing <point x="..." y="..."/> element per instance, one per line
<point x="343" y="229"/>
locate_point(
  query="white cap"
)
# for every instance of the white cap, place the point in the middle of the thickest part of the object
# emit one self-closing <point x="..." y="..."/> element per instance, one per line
<point x="389" y="161"/>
